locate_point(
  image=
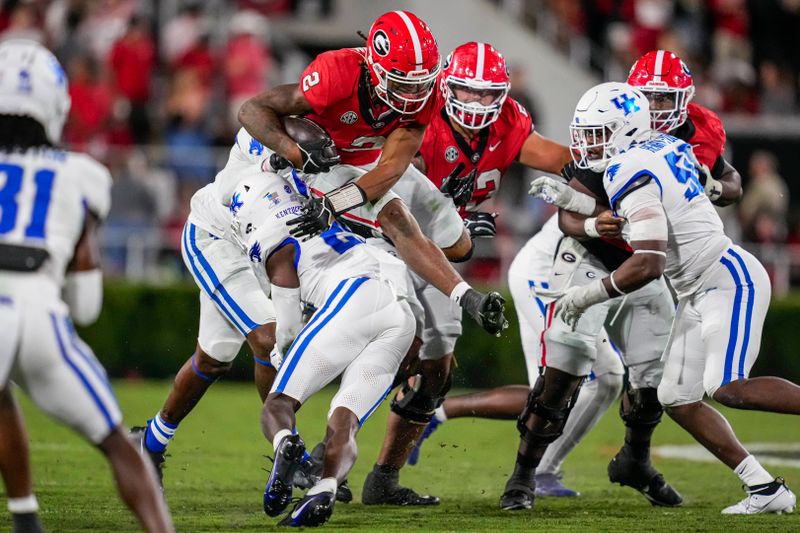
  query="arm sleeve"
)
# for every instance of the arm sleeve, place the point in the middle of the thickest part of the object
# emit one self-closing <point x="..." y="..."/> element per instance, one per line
<point x="83" y="293"/>
<point x="645" y="214"/>
<point x="289" y="314"/>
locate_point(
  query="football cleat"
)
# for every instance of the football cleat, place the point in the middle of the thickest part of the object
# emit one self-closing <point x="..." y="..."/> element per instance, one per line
<point x="383" y="488"/>
<point x="774" y="497"/>
<point x="26" y="523"/>
<point x="137" y="437"/>
<point x="429" y="429"/>
<point x="311" y="511"/>
<point x="550" y="485"/>
<point x="642" y="476"/>
<point x="278" y="491"/>
<point x="311" y="471"/>
<point x="517" y="496"/>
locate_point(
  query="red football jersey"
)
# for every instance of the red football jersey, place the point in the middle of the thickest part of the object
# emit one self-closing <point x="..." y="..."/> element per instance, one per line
<point x="490" y="152"/>
<point x="708" y="135"/>
<point x="336" y="85"/>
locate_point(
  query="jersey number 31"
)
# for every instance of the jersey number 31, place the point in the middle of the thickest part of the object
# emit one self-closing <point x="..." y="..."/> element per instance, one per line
<point x="9" y="205"/>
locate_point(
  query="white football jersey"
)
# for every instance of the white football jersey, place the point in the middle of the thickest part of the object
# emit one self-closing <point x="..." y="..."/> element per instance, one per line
<point x="264" y="204"/>
<point x="210" y="205"/>
<point x="44" y="196"/>
<point x="696" y="239"/>
<point x="541" y="249"/>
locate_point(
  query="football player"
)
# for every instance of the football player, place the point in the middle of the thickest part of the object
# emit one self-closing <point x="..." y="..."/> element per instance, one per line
<point x="375" y="104"/>
<point x="653" y="181"/>
<point x="667" y="83"/>
<point x="51" y="203"/>
<point x="467" y="147"/>
<point x="361" y="330"/>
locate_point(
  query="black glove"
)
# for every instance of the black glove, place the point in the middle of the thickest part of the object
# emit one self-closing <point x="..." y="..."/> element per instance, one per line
<point x="318" y="156"/>
<point x="459" y="188"/>
<point x="481" y="225"/>
<point x="486" y="309"/>
<point x="277" y="162"/>
<point x="316" y="217"/>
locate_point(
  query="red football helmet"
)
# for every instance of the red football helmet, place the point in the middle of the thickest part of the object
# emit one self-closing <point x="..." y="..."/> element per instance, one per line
<point x="403" y="59"/>
<point x="474" y="84"/>
<point x="667" y="83"/>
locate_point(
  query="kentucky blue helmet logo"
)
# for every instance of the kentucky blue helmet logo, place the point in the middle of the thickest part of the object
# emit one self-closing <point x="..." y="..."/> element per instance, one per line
<point x="236" y="203"/>
<point x="626" y="103"/>
<point x="380" y="43"/>
<point x="255" y="253"/>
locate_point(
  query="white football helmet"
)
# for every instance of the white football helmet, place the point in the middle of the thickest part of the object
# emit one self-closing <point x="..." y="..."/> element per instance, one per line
<point x="33" y="84"/>
<point x="608" y="118"/>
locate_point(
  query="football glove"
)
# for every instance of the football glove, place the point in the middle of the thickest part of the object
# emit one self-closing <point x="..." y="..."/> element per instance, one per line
<point x="315" y="217"/>
<point x="457" y="187"/>
<point x="318" y="156"/>
<point x="576" y="300"/>
<point x="711" y="186"/>
<point x="481" y="225"/>
<point x="486" y="309"/>
<point x="557" y="192"/>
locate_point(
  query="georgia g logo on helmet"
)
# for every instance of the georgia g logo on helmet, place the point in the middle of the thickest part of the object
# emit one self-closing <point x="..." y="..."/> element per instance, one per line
<point x="380" y="43"/>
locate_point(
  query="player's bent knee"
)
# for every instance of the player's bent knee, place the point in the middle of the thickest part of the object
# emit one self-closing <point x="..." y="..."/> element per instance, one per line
<point x="262" y="340"/>
<point x="609" y="385"/>
<point x="417" y="403"/>
<point x="208" y="366"/>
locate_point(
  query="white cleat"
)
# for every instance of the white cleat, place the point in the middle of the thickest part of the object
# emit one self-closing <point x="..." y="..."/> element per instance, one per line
<point x="779" y="499"/>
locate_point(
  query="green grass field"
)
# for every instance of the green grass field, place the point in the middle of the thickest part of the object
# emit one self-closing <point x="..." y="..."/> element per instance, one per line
<point x="216" y="472"/>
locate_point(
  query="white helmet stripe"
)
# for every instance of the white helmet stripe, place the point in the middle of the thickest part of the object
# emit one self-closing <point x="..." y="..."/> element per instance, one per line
<point x="481" y="59"/>
<point x="659" y="65"/>
<point x="414" y="37"/>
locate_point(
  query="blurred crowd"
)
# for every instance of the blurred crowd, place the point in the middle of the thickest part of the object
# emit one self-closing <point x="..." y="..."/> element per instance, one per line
<point x="156" y="86"/>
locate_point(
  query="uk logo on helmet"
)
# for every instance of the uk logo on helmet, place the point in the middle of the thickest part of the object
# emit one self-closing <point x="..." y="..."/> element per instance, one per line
<point x="626" y="103"/>
<point x="380" y="43"/>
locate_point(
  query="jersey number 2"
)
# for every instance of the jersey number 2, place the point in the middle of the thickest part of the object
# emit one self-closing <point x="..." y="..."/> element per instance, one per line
<point x="8" y="199"/>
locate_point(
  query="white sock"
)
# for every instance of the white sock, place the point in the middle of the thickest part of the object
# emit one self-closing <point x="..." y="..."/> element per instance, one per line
<point x="326" y="484"/>
<point x="279" y="436"/>
<point x="439" y="413"/>
<point x="28" y="504"/>
<point x="458" y="291"/>
<point x="752" y="473"/>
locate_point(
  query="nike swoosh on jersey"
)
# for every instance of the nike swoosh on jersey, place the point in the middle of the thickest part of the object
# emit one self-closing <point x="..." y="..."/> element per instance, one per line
<point x="494" y="146"/>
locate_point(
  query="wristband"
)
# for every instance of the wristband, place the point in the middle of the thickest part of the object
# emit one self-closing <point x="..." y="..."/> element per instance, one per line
<point x="590" y="228"/>
<point x="346" y="198"/>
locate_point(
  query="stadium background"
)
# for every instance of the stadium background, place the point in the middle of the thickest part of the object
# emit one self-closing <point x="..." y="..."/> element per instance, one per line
<point x="156" y="85"/>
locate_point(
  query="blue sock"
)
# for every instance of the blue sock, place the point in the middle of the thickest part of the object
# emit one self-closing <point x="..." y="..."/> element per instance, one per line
<point x="159" y="433"/>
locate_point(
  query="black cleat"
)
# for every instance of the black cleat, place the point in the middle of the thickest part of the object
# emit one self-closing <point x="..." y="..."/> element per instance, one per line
<point x="343" y="493"/>
<point x="486" y="309"/>
<point x="278" y="491"/>
<point x="311" y="471"/>
<point x="517" y="496"/>
<point x="642" y="476"/>
<point x="26" y="523"/>
<point x="383" y="488"/>
<point x="311" y="511"/>
<point x="137" y="436"/>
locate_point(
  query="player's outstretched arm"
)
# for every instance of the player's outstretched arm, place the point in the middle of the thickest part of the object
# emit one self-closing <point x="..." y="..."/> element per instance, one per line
<point x="400" y="148"/>
<point x="261" y="117"/>
<point x="543" y="154"/>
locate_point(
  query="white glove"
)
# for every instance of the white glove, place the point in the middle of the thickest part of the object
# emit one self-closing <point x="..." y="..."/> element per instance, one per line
<point x="556" y="192"/>
<point x="713" y="187"/>
<point x="576" y="300"/>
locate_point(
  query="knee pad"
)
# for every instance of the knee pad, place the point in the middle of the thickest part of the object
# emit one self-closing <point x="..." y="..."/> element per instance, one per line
<point x="555" y="416"/>
<point x="644" y="408"/>
<point x="417" y="406"/>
